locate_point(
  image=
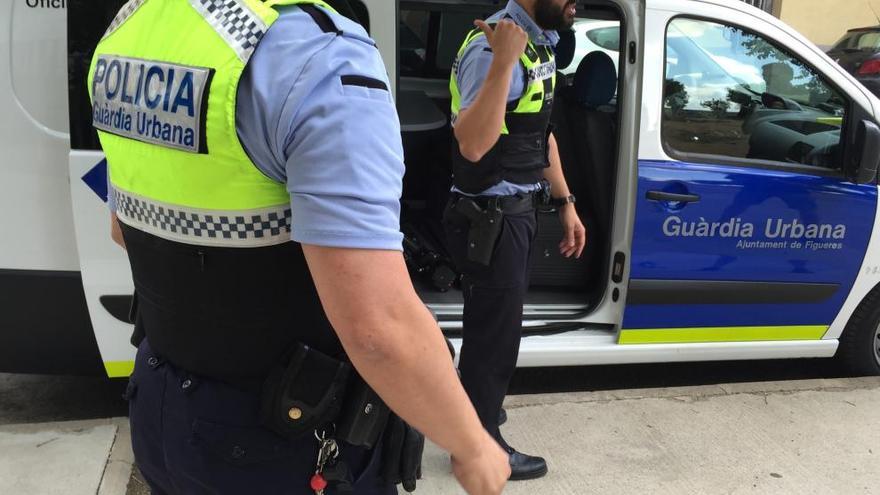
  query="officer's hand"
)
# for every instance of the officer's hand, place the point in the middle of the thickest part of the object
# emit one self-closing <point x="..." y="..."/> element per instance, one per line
<point x="508" y="41"/>
<point x="575" y="234"/>
<point x="484" y="471"/>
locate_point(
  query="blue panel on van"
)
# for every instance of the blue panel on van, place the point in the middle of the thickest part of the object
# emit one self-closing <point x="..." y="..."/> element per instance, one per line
<point x="96" y="179"/>
<point x="752" y="225"/>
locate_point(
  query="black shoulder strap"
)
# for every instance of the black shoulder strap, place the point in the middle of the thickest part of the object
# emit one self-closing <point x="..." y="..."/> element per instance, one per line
<point x="347" y="9"/>
<point x="321" y="18"/>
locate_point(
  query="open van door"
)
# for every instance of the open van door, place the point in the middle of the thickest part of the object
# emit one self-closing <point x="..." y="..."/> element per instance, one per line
<point x="572" y="311"/>
<point x="106" y="276"/>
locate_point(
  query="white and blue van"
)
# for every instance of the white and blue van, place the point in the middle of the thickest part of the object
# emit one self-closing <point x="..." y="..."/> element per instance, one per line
<point x="725" y="167"/>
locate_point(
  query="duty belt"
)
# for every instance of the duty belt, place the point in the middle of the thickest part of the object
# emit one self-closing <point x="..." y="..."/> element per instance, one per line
<point x="485" y="216"/>
<point x="510" y="205"/>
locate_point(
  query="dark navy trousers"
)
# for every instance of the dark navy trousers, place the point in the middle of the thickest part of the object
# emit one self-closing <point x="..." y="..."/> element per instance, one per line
<point x="493" y="307"/>
<point x="197" y="436"/>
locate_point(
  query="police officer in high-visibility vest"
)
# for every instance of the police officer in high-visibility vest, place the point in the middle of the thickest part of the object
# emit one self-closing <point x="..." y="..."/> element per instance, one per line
<point x="504" y="154"/>
<point x="231" y="128"/>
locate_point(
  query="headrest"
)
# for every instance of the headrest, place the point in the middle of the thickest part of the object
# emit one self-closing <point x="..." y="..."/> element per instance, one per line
<point x="595" y="81"/>
<point x="565" y="49"/>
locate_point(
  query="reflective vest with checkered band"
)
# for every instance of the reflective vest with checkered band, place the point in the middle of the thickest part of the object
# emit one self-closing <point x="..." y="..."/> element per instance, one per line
<point x="163" y="83"/>
<point x="520" y="155"/>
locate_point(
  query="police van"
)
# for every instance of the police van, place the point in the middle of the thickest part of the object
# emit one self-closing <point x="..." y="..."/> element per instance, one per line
<point x="724" y="167"/>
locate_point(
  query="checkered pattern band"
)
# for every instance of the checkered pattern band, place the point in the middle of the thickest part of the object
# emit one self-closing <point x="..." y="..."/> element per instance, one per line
<point x="235" y="22"/>
<point x="124" y="13"/>
<point x="246" y="228"/>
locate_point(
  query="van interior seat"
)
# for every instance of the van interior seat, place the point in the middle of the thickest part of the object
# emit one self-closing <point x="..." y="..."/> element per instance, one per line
<point x="585" y="121"/>
<point x="595" y="82"/>
<point x="565" y="49"/>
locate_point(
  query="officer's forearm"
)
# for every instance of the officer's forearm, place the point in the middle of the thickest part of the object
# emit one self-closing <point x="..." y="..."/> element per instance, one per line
<point x="553" y="173"/>
<point x="394" y="342"/>
<point x="478" y="127"/>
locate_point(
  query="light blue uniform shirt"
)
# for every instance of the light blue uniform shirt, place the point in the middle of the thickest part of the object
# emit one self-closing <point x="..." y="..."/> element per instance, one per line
<point x="474" y="67"/>
<point x="336" y="146"/>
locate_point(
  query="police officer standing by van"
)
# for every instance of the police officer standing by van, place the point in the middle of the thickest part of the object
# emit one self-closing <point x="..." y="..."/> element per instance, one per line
<point x="231" y="127"/>
<point x="504" y="154"/>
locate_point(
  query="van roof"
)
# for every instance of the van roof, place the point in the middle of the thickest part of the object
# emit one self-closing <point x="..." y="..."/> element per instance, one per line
<point x="737" y="5"/>
<point x="743" y="7"/>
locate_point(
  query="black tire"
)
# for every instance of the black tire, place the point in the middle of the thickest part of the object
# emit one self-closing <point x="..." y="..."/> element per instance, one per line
<point x="859" y="348"/>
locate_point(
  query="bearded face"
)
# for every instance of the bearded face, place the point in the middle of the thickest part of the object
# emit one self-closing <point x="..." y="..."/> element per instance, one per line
<point x="555" y="15"/>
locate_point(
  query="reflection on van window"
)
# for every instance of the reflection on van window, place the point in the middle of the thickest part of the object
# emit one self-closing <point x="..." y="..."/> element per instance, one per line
<point x="730" y="92"/>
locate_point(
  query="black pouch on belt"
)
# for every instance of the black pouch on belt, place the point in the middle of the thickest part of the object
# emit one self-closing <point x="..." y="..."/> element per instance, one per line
<point x="303" y="391"/>
<point x="364" y="415"/>
<point x="485" y="227"/>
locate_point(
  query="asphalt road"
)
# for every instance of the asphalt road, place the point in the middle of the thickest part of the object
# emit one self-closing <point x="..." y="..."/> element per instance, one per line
<point x="36" y="398"/>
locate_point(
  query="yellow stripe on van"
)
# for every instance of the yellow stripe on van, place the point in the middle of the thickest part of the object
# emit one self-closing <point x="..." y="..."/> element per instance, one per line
<point x="720" y="334"/>
<point x="119" y="369"/>
<point x="830" y="120"/>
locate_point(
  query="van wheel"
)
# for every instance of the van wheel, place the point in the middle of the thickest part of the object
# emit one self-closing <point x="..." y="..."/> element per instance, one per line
<point x="860" y="344"/>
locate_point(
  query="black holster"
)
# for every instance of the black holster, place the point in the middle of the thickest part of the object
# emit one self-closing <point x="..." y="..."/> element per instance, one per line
<point x="484" y="228"/>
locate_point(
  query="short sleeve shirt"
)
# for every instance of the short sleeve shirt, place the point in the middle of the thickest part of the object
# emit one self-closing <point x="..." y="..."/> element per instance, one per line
<point x="315" y="112"/>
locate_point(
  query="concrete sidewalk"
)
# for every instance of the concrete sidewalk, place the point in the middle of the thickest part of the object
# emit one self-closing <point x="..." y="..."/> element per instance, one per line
<point x="812" y="436"/>
<point x="66" y="458"/>
<point x="804" y="437"/>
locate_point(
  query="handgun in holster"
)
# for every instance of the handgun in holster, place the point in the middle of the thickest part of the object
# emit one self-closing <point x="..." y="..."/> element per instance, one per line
<point x="544" y="198"/>
<point x="484" y="228"/>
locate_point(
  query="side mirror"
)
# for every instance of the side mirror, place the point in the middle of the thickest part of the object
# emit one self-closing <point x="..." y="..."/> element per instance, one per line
<point x="867" y="152"/>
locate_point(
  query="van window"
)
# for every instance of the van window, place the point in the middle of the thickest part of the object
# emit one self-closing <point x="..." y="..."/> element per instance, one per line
<point x="413" y="39"/>
<point x="607" y="37"/>
<point x="594" y="35"/>
<point x="431" y="35"/>
<point x="86" y="23"/>
<point x="731" y="93"/>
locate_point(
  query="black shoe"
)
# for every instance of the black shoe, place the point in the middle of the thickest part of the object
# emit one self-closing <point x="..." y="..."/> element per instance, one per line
<point x="502" y="417"/>
<point x="526" y="467"/>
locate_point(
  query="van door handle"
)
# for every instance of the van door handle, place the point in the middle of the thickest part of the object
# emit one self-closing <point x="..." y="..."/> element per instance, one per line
<point x="672" y="197"/>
